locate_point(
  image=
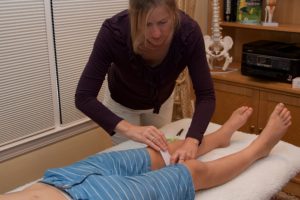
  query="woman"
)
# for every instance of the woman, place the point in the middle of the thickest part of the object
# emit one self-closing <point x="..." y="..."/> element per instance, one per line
<point x="141" y="173"/>
<point x="142" y="51"/>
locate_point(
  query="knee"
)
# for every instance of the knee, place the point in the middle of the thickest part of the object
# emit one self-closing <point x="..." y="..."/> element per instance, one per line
<point x="198" y="171"/>
<point x="196" y="166"/>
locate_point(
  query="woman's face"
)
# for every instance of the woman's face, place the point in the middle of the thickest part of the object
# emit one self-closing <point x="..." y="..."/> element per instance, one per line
<point x="159" y="27"/>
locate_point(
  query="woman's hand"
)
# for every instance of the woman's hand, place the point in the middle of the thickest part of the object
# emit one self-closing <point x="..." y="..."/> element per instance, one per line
<point x="148" y="135"/>
<point x="186" y="152"/>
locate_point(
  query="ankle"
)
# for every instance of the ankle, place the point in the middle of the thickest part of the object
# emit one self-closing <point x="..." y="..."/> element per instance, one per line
<point x="260" y="149"/>
<point x="225" y="137"/>
<point x="224" y="141"/>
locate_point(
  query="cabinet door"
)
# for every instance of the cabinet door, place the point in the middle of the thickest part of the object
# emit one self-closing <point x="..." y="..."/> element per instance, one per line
<point x="229" y="97"/>
<point x="268" y="101"/>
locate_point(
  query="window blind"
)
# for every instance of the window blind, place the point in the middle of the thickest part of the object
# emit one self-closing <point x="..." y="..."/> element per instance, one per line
<point x="26" y="101"/>
<point x="76" y="24"/>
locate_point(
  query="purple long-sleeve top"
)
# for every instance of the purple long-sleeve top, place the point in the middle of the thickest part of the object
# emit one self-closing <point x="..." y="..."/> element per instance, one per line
<point x="137" y="85"/>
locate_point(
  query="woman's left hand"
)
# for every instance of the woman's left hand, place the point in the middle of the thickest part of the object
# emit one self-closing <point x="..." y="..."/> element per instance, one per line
<point x="186" y="152"/>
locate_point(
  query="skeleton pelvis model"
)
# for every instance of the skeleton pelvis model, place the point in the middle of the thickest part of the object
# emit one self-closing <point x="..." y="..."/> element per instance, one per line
<point x="216" y="46"/>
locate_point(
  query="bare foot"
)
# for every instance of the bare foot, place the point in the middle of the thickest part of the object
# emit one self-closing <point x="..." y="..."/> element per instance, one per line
<point x="279" y="121"/>
<point x="237" y="119"/>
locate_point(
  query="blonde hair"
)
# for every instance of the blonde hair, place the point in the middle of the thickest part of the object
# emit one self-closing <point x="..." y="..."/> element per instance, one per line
<point x="139" y="11"/>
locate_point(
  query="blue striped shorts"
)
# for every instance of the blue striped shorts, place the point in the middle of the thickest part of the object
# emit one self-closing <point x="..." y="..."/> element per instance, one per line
<point x="122" y="175"/>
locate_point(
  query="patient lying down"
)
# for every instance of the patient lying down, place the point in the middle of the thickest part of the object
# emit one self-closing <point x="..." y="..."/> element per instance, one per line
<point x="142" y="173"/>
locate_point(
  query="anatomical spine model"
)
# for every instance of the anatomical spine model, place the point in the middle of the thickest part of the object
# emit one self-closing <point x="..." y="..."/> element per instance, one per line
<point x="217" y="47"/>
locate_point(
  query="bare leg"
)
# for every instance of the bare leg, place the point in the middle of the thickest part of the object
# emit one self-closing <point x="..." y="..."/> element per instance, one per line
<point x="217" y="139"/>
<point x="217" y="172"/>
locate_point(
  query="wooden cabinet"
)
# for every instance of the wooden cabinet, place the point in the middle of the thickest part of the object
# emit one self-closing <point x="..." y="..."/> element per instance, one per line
<point x="234" y="90"/>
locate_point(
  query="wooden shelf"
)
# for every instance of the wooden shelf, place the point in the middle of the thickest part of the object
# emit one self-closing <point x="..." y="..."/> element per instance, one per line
<point x="291" y="28"/>
<point x="237" y="78"/>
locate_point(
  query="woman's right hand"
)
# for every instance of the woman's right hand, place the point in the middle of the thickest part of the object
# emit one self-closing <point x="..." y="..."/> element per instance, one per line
<point x="148" y="135"/>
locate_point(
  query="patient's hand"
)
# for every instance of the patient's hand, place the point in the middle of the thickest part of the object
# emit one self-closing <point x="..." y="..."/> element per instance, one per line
<point x="186" y="152"/>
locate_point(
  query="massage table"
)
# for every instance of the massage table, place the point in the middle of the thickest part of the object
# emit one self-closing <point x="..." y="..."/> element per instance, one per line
<point x="261" y="181"/>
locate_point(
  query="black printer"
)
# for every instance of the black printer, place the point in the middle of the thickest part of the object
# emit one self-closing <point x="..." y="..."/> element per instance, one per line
<point x="273" y="60"/>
